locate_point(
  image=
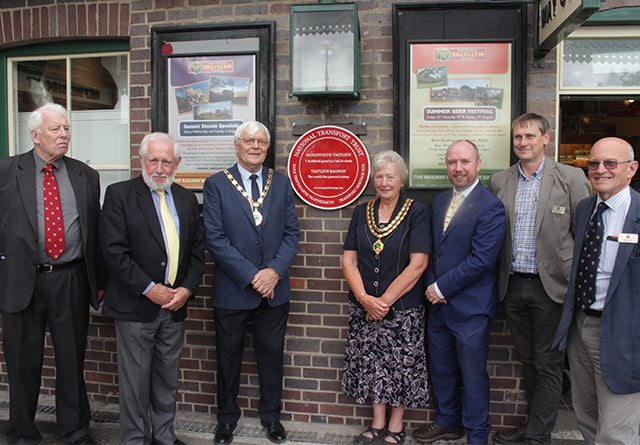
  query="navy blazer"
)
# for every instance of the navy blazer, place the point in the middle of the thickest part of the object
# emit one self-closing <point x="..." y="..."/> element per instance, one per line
<point x="464" y="260"/>
<point x="134" y="250"/>
<point x="19" y="228"/>
<point x="620" y="322"/>
<point x="240" y="248"/>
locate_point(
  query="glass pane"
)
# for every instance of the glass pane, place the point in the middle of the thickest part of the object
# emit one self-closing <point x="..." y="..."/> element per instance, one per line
<point x="38" y="82"/>
<point x="589" y="63"/>
<point x="108" y="177"/>
<point x="100" y="104"/>
<point x="323" y="45"/>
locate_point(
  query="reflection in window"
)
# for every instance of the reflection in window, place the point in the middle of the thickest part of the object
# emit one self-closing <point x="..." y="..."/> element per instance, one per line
<point x="589" y="63"/>
<point x="94" y="90"/>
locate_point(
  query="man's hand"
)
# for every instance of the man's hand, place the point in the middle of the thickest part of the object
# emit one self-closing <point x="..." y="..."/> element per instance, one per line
<point x="161" y="294"/>
<point x="265" y="281"/>
<point x="180" y="297"/>
<point x="100" y="295"/>
<point x="433" y="296"/>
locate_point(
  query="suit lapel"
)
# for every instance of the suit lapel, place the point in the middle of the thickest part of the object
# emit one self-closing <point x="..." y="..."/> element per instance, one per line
<point x="266" y="204"/>
<point x="511" y="186"/>
<point x="27" y="186"/>
<point x="145" y="202"/>
<point x="548" y="177"/>
<point x="80" y="189"/>
<point x="440" y="213"/>
<point x="467" y="205"/>
<point x="631" y="225"/>
<point x="183" y="216"/>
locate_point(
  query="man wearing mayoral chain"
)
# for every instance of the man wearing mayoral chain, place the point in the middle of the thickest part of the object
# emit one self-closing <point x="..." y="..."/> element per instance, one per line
<point x="252" y="233"/>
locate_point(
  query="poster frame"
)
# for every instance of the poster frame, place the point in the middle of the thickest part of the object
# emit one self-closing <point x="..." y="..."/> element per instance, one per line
<point x="237" y="39"/>
<point x="455" y="23"/>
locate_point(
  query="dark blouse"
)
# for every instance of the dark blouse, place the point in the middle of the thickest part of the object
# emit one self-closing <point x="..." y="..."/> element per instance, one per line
<point x="378" y="271"/>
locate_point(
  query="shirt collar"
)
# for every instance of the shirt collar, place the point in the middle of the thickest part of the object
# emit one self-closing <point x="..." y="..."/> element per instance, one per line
<point x="468" y="190"/>
<point x="537" y="174"/>
<point x="617" y="201"/>
<point x="245" y="174"/>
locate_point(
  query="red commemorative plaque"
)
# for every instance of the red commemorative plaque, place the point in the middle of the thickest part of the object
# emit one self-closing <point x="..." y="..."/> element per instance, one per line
<point x="329" y="167"/>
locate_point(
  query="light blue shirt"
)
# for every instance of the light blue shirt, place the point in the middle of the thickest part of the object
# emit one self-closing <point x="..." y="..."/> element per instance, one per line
<point x="613" y="219"/>
<point x="246" y="180"/>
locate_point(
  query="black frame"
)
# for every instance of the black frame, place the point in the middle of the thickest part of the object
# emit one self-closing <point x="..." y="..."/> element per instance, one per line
<point x="265" y="64"/>
<point x="454" y="22"/>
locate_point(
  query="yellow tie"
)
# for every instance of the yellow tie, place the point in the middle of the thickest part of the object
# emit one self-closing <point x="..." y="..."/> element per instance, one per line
<point x="171" y="234"/>
<point x="452" y="210"/>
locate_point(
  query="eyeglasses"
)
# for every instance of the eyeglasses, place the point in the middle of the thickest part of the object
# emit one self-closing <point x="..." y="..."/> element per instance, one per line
<point x="252" y="141"/>
<point x="608" y="164"/>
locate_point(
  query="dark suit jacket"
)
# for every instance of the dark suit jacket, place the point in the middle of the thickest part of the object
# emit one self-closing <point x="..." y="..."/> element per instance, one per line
<point x="19" y="228"/>
<point x="135" y="253"/>
<point x="620" y="322"/>
<point x="240" y="248"/>
<point x="465" y="257"/>
<point x="562" y="188"/>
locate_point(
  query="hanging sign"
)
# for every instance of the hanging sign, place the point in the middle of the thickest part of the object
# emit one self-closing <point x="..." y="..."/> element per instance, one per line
<point x="329" y="167"/>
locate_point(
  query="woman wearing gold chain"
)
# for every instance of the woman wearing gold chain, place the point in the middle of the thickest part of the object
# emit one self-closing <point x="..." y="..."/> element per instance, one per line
<point x="385" y="254"/>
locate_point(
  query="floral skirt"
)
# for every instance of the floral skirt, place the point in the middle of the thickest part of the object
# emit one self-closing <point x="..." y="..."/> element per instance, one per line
<point x="385" y="361"/>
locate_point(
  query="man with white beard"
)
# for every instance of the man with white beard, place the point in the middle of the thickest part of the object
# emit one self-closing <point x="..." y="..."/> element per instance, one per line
<point x="152" y="240"/>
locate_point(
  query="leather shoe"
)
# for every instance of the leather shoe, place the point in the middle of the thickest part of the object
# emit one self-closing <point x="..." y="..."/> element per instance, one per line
<point x="275" y="431"/>
<point x="514" y="436"/>
<point x="224" y="433"/>
<point x="84" y="440"/>
<point x="433" y="432"/>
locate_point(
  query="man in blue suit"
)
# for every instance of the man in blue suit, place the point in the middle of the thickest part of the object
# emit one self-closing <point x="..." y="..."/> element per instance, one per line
<point x="252" y="233"/>
<point x="468" y="225"/>
<point x="601" y="328"/>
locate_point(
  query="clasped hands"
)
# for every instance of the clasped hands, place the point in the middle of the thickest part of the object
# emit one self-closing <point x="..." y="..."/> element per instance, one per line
<point x="376" y="308"/>
<point x="168" y="298"/>
<point x="265" y="281"/>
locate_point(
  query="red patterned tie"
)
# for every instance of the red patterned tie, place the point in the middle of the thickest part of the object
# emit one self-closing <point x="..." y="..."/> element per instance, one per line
<point x="53" y="223"/>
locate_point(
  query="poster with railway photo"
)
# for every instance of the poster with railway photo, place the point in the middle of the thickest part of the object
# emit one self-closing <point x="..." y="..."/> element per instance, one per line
<point x="208" y="98"/>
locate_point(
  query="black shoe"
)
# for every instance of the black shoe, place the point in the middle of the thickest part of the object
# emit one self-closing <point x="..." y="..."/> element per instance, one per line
<point x="275" y="431"/>
<point x="84" y="440"/>
<point x="224" y="433"/>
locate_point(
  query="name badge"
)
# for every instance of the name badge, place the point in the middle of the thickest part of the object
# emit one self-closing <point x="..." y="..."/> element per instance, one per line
<point x="631" y="238"/>
<point x="558" y="209"/>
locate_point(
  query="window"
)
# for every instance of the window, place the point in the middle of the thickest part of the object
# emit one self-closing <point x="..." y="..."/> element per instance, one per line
<point x="95" y="91"/>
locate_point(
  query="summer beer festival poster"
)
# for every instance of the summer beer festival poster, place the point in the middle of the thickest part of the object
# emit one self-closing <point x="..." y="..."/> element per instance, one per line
<point x="458" y="91"/>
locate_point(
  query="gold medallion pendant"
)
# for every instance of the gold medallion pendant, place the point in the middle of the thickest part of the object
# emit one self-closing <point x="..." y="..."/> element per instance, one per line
<point x="377" y="231"/>
<point x="378" y="246"/>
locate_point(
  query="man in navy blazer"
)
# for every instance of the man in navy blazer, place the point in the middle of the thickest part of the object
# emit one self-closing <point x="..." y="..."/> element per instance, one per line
<point x="37" y="289"/>
<point x="149" y="286"/>
<point x="468" y="225"/>
<point x="252" y="233"/>
<point x="603" y="338"/>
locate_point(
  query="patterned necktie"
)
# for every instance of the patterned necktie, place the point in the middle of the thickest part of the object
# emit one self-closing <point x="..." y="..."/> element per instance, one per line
<point x="255" y="191"/>
<point x="53" y="223"/>
<point x="452" y="210"/>
<point x="589" y="257"/>
<point x="171" y="234"/>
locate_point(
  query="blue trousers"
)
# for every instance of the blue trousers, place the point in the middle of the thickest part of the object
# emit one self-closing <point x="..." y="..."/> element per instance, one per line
<point x="458" y="351"/>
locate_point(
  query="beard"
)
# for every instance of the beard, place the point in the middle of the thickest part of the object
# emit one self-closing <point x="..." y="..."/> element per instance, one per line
<point x="148" y="179"/>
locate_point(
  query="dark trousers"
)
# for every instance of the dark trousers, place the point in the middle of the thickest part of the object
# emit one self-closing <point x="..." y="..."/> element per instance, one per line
<point x="269" y="324"/>
<point x="60" y="299"/>
<point x="533" y="320"/>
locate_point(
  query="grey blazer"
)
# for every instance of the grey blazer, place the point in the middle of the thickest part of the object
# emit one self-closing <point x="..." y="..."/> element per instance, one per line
<point x="562" y="188"/>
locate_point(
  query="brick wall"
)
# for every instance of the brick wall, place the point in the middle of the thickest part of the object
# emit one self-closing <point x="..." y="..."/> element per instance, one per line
<point x="318" y="322"/>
